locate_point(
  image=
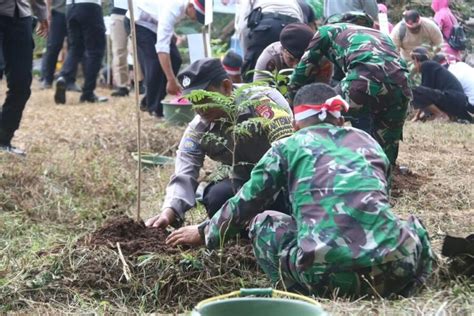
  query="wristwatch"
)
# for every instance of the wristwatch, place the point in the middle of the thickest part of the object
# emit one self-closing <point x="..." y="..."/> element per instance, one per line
<point x="201" y="229"/>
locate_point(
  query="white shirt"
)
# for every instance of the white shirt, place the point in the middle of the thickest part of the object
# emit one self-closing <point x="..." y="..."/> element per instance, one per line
<point x="465" y="74"/>
<point x="160" y="16"/>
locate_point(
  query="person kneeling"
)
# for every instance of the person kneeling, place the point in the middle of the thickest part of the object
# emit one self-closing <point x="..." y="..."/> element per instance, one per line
<point x="341" y="236"/>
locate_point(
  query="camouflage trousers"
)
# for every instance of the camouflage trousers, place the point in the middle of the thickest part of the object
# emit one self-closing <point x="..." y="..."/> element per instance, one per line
<point x="274" y="239"/>
<point x="379" y="110"/>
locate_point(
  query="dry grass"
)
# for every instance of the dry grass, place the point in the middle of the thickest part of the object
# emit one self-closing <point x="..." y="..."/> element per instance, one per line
<point x="79" y="171"/>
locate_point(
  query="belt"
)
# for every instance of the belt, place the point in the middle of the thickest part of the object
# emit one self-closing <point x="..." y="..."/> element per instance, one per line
<point x="83" y="1"/>
<point x="276" y="16"/>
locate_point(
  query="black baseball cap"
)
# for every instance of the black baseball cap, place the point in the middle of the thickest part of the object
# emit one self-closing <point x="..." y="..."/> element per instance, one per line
<point x="200" y="73"/>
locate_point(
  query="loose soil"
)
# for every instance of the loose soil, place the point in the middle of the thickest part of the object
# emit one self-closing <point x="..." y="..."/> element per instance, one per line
<point x="134" y="237"/>
<point x="406" y="182"/>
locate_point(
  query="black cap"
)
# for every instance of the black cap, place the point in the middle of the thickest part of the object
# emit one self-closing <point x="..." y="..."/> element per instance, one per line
<point x="200" y="7"/>
<point x="295" y="38"/>
<point x="199" y="74"/>
<point x="420" y="51"/>
<point x="232" y="62"/>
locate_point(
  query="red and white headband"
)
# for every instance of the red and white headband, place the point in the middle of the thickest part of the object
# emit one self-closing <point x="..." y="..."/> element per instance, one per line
<point x="333" y="105"/>
<point x="232" y="70"/>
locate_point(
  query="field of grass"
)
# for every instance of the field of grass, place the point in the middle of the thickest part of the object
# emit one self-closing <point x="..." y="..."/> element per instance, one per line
<point x="79" y="172"/>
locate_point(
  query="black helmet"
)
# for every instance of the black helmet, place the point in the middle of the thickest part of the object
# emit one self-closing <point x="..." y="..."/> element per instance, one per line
<point x="354" y="17"/>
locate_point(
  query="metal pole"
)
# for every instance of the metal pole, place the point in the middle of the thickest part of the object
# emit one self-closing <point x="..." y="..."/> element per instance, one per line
<point x="137" y="107"/>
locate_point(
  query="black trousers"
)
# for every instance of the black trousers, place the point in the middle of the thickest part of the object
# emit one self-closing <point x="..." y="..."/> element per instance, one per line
<point x="453" y="103"/>
<point x="57" y="34"/>
<point x="86" y="33"/>
<point x="217" y="193"/>
<point x="265" y="33"/>
<point x="155" y="79"/>
<point x="18" y="55"/>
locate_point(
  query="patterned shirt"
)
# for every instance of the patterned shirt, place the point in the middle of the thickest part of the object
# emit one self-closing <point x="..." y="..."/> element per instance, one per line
<point x="335" y="180"/>
<point x="360" y="52"/>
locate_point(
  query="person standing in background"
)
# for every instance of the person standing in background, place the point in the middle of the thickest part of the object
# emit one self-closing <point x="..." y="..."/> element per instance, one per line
<point x="16" y="25"/>
<point x="261" y="22"/>
<point x="446" y="22"/>
<point x="56" y="36"/>
<point x="157" y="51"/>
<point x="86" y="33"/>
<point x="119" y="39"/>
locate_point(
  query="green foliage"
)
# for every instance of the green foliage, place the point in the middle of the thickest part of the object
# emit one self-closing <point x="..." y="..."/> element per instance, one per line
<point x="277" y="79"/>
<point x="232" y="106"/>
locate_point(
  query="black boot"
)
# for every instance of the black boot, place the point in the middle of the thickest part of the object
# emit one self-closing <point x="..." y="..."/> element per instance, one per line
<point x="120" y="92"/>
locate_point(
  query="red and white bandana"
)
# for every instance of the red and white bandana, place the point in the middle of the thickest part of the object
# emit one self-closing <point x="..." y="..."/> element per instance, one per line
<point x="333" y="105"/>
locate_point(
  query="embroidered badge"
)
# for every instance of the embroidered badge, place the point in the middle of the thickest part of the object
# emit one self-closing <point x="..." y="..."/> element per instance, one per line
<point x="186" y="81"/>
<point x="190" y="145"/>
<point x="265" y="111"/>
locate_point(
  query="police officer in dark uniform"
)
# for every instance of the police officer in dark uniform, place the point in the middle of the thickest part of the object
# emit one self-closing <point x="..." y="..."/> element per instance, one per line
<point x="209" y="74"/>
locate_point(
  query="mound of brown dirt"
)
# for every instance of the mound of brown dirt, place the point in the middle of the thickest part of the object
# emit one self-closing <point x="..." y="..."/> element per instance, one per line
<point x="406" y="181"/>
<point x="134" y="237"/>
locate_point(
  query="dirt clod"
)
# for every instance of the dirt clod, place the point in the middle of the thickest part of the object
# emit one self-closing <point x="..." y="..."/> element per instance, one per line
<point x="134" y="237"/>
<point x="406" y="181"/>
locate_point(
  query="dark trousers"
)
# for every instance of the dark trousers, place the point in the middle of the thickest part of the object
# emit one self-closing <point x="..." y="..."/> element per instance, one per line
<point x="155" y="79"/>
<point x="265" y="33"/>
<point x="18" y="55"/>
<point x="453" y="103"/>
<point x="57" y="34"/>
<point x="86" y="33"/>
<point x="217" y="193"/>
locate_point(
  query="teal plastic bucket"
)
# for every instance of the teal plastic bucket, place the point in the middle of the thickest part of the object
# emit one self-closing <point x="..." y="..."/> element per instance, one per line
<point x="258" y="306"/>
<point x="178" y="113"/>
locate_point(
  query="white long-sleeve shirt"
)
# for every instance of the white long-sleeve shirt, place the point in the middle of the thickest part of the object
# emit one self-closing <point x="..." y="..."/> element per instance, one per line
<point x="160" y="17"/>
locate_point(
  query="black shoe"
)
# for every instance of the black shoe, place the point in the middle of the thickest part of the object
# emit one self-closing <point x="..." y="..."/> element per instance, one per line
<point x="92" y="98"/>
<point x="73" y="87"/>
<point x="60" y="94"/>
<point x="143" y="106"/>
<point x="120" y="92"/>
<point x="12" y="150"/>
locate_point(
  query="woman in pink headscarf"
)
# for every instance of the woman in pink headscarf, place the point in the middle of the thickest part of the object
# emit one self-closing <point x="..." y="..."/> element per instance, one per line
<point x="383" y="9"/>
<point x="446" y="21"/>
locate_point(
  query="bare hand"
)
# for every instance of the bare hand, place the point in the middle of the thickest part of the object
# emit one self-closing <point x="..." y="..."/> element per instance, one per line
<point x="163" y="220"/>
<point x="42" y="28"/>
<point x="187" y="235"/>
<point x="173" y="87"/>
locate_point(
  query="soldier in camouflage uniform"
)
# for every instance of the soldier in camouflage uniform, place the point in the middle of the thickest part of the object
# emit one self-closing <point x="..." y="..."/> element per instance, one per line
<point x="341" y="234"/>
<point x="375" y="82"/>
<point x="201" y="139"/>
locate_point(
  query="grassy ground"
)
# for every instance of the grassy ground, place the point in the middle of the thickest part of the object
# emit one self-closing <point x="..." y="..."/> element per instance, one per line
<point x="79" y="171"/>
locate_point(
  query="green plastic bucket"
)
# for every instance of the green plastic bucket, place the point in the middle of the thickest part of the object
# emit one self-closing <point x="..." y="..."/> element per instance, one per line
<point x="258" y="306"/>
<point x="177" y="112"/>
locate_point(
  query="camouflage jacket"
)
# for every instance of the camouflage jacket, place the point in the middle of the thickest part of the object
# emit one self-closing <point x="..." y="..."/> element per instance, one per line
<point x="360" y="52"/>
<point x="200" y="140"/>
<point x="335" y="179"/>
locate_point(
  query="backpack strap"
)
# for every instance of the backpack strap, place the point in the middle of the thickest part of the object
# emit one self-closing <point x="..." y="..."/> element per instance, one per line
<point x="402" y="32"/>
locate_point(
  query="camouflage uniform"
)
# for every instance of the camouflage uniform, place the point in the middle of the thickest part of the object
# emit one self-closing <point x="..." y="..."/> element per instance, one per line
<point x="341" y="232"/>
<point x="375" y="82"/>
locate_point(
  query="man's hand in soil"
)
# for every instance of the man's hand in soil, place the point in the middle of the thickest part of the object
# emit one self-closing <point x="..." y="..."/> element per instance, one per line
<point x="163" y="220"/>
<point x="188" y="235"/>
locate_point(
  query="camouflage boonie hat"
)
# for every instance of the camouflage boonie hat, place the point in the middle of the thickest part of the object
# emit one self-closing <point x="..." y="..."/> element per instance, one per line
<point x="354" y="17"/>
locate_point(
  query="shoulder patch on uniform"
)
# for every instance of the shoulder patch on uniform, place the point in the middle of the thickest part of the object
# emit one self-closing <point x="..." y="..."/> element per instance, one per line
<point x="265" y="111"/>
<point x="190" y="145"/>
